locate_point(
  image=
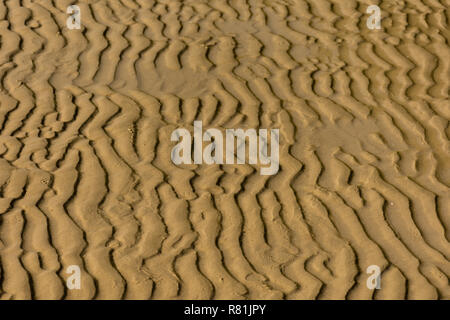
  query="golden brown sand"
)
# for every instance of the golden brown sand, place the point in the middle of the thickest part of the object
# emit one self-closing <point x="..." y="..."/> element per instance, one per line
<point x="86" y="176"/>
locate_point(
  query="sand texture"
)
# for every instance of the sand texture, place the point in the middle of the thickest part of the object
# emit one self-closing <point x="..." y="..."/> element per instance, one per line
<point x="86" y="176"/>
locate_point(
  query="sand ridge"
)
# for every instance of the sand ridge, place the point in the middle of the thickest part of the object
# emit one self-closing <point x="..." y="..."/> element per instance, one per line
<point x="86" y="176"/>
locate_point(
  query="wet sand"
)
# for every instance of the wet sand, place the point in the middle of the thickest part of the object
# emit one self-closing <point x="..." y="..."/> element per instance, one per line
<point x="86" y="176"/>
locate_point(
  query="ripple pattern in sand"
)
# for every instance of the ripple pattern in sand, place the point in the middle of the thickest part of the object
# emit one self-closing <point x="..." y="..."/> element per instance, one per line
<point x="86" y="176"/>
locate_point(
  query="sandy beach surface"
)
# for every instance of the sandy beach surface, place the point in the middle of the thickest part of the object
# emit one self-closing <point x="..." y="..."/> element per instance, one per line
<point x="359" y="207"/>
